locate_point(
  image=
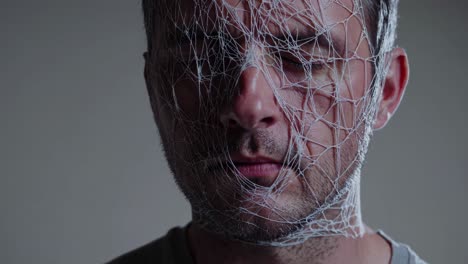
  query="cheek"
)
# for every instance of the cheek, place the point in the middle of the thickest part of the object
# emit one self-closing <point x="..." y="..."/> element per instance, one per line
<point x="354" y="93"/>
<point x="187" y="97"/>
<point x="322" y="119"/>
<point x="310" y="114"/>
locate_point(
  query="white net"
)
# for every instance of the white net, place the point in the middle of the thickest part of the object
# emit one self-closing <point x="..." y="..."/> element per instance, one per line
<point x="265" y="110"/>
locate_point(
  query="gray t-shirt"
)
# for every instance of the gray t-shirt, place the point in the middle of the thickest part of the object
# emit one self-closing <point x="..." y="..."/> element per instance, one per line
<point x="173" y="249"/>
<point x="401" y="253"/>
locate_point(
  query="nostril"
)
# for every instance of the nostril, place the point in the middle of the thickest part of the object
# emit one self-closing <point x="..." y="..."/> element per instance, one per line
<point x="232" y="123"/>
<point x="269" y="120"/>
<point x="229" y="120"/>
<point x="248" y="123"/>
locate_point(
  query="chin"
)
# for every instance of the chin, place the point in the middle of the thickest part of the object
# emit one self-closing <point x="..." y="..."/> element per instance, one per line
<point x="254" y="216"/>
<point x="248" y="228"/>
<point x="291" y="210"/>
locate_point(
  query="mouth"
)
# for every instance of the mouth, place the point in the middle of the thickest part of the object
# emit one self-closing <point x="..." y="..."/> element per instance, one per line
<point x="260" y="170"/>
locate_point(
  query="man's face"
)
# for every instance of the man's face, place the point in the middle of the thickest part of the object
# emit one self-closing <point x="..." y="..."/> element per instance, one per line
<point x="264" y="108"/>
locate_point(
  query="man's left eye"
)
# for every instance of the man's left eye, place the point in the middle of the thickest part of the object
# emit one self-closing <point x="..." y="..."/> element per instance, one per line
<point x="294" y="62"/>
<point x="302" y="64"/>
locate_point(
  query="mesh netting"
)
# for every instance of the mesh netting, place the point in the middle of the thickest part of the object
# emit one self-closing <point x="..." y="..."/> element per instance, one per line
<point x="291" y="86"/>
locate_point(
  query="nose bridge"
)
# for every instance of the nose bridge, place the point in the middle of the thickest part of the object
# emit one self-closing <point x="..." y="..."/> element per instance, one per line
<point x="253" y="95"/>
<point x="252" y="78"/>
<point x="254" y="104"/>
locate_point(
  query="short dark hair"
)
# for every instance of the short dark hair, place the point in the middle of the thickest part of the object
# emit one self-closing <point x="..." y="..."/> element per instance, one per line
<point x="380" y="18"/>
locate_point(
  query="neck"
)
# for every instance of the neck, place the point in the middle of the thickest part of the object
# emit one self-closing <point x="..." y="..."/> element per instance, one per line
<point x="213" y="248"/>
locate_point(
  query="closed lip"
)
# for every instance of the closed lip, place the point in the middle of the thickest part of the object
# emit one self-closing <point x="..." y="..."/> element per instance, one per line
<point x="260" y="169"/>
<point x="257" y="159"/>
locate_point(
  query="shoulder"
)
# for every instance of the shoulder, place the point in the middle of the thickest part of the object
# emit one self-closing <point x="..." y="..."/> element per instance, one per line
<point x="401" y="253"/>
<point x="171" y="248"/>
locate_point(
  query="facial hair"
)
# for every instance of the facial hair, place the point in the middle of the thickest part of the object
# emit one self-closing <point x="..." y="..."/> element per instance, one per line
<point x="227" y="203"/>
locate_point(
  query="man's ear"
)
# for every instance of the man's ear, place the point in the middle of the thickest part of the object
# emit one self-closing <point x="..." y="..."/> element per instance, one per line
<point x="393" y="88"/>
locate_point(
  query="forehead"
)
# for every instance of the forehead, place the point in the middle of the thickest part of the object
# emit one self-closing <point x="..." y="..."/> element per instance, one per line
<point x="341" y="21"/>
<point x="250" y="15"/>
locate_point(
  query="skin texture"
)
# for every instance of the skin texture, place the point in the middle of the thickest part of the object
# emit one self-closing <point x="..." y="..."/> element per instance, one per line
<point x="371" y="248"/>
<point x="215" y="122"/>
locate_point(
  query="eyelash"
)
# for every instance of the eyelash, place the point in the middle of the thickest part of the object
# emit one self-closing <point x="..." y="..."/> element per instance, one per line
<point x="313" y="65"/>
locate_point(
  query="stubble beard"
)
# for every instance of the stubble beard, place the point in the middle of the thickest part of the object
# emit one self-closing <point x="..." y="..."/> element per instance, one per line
<point x="222" y="205"/>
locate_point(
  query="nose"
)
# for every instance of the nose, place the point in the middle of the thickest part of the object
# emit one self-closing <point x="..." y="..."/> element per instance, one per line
<point x="255" y="105"/>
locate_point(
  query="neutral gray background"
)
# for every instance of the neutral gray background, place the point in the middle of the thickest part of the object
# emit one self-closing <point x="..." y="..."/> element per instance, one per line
<point x="82" y="174"/>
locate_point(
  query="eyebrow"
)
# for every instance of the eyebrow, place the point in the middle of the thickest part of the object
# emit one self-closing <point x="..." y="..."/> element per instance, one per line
<point x="306" y="37"/>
